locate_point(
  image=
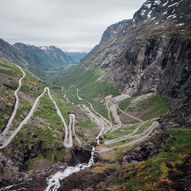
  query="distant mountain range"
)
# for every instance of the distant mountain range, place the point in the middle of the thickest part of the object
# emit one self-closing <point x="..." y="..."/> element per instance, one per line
<point x="47" y="56"/>
<point x="12" y="54"/>
<point x="37" y="59"/>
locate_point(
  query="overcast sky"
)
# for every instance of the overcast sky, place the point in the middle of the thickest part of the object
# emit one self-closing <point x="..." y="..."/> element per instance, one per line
<point x="72" y="25"/>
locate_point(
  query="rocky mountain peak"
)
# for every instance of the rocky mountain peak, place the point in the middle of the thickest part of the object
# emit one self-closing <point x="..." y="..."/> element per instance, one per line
<point x="163" y="13"/>
<point x="113" y="30"/>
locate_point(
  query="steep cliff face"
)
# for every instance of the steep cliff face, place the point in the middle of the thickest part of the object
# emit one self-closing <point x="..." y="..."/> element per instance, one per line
<point x="112" y="31"/>
<point x="151" y="54"/>
<point x="175" y="80"/>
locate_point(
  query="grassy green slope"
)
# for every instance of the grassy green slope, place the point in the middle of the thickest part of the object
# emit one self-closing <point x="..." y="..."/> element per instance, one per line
<point x="43" y="134"/>
<point x="9" y="75"/>
<point x="88" y="83"/>
<point x="149" y="108"/>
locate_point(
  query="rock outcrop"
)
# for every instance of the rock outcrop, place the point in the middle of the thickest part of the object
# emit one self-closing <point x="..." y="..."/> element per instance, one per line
<point x="112" y="31"/>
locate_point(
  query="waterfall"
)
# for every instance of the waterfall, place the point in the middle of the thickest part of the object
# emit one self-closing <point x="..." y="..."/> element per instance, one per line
<point x="54" y="181"/>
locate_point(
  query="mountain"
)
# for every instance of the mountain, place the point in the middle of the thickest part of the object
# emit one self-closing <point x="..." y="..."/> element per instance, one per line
<point x="47" y="61"/>
<point x="141" y="55"/>
<point x="45" y="56"/>
<point x="12" y="54"/>
<point x="42" y="61"/>
<point x="118" y="121"/>
<point x="112" y="31"/>
<point x="35" y="56"/>
<point x="76" y="56"/>
<point x="57" y="56"/>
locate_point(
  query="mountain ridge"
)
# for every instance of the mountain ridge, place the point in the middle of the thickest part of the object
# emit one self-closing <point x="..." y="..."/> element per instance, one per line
<point x="49" y="56"/>
<point x="12" y="54"/>
<point x="56" y="55"/>
<point x="37" y="59"/>
<point x="138" y="60"/>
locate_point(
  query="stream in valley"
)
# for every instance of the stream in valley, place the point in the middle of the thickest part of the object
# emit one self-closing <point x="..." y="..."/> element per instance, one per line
<point x="54" y="181"/>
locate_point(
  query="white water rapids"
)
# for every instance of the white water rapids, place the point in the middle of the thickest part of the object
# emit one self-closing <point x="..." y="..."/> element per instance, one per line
<point x="54" y="181"/>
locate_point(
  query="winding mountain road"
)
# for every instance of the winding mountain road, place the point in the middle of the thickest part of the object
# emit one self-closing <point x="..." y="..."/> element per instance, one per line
<point x="101" y="121"/>
<point x="113" y="108"/>
<point x="15" y="107"/>
<point x="131" y="135"/>
<point x="54" y="181"/>
<point x="92" y="108"/>
<point x="7" y="141"/>
<point x="68" y="142"/>
<point x="72" y="118"/>
<point x="131" y="143"/>
<point x="96" y="119"/>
